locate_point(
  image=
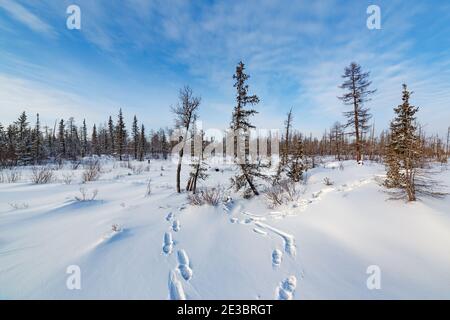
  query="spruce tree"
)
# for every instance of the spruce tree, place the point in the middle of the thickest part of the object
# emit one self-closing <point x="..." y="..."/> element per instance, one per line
<point x="12" y="138"/>
<point x="295" y="165"/>
<point x="240" y="126"/>
<point x="61" y="139"/>
<point x="120" y="137"/>
<point x="23" y="147"/>
<point x="142" y="143"/>
<point x="135" y="133"/>
<point x="84" y="140"/>
<point x="111" y="137"/>
<point x="403" y="157"/>
<point x="95" y="141"/>
<point x="3" y="147"/>
<point x="103" y="140"/>
<point x="37" y="149"/>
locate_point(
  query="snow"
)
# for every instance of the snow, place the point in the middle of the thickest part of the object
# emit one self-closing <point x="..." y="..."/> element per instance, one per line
<point x="163" y="248"/>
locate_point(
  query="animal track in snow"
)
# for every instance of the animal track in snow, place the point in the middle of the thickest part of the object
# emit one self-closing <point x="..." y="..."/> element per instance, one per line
<point x="289" y="240"/>
<point x="227" y="204"/>
<point x="253" y="217"/>
<point x="259" y="231"/>
<point x="168" y="243"/>
<point x="176" y="225"/>
<point x="169" y="216"/>
<point x="276" y="257"/>
<point x="286" y="289"/>
<point x="183" y="265"/>
<point x="176" y="291"/>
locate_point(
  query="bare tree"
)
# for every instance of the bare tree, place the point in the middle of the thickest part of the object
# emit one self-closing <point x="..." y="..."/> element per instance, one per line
<point x="199" y="166"/>
<point x="285" y="147"/>
<point x="357" y="86"/>
<point x="184" y="114"/>
<point x="288" y="126"/>
<point x="448" y="142"/>
<point x="336" y="139"/>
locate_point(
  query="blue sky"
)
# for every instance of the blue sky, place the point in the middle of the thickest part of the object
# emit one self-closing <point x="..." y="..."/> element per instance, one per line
<point x="136" y="54"/>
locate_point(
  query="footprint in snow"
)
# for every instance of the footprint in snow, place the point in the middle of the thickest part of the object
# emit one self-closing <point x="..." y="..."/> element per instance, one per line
<point x="169" y="216"/>
<point x="286" y="289"/>
<point x="277" y="255"/>
<point x="168" y="243"/>
<point x="259" y="231"/>
<point x="176" y="225"/>
<point x="183" y="265"/>
<point x="176" y="291"/>
<point x="289" y="246"/>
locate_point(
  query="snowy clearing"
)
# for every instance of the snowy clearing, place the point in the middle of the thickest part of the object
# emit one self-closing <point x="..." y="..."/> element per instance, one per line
<point x="131" y="243"/>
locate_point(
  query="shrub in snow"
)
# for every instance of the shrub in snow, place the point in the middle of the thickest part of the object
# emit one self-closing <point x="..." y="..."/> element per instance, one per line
<point x="75" y="165"/>
<point x="149" y="188"/>
<point x="210" y="196"/>
<point x="327" y="181"/>
<point x="41" y="175"/>
<point x="116" y="228"/>
<point x="282" y="193"/>
<point x="67" y="178"/>
<point x="137" y="169"/>
<point x="92" y="170"/>
<point x="86" y="196"/>
<point x="10" y="176"/>
<point x="19" y="206"/>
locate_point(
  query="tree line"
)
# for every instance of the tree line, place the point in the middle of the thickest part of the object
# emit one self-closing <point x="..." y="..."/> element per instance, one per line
<point x="22" y="143"/>
<point x="404" y="147"/>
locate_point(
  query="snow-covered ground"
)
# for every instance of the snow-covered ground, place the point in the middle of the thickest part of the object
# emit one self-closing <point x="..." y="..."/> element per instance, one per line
<point x="320" y="247"/>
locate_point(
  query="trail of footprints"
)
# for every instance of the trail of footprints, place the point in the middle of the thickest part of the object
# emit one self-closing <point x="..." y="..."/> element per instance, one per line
<point x="183" y="269"/>
<point x="286" y="288"/>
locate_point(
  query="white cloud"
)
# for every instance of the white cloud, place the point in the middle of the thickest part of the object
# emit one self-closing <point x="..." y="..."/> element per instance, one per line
<point x="295" y="53"/>
<point x="23" y="15"/>
<point x="19" y="95"/>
